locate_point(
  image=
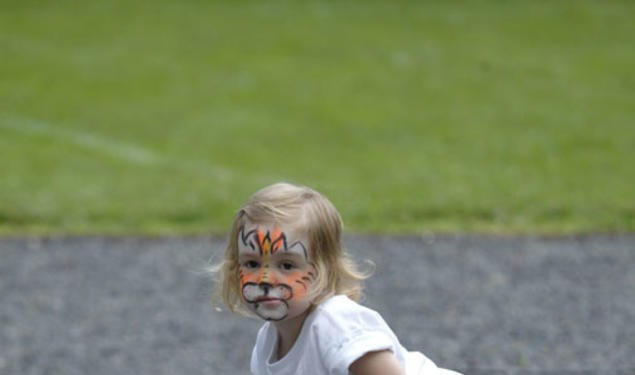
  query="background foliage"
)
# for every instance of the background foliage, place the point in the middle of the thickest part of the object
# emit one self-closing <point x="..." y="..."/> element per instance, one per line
<point x="163" y="116"/>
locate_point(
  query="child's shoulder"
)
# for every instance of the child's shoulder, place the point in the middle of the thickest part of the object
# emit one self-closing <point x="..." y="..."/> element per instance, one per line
<point x="344" y="330"/>
<point x="343" y="313"/>
<point x="340" y="303"/>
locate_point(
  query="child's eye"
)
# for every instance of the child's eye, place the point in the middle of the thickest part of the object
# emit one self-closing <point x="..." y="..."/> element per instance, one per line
<point x="287" y="266"/>
<point x="251" y="264"/>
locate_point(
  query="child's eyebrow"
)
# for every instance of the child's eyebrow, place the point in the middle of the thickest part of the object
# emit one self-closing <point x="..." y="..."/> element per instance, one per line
<point x="249" y="256"/>
<point x="287" y="254"/>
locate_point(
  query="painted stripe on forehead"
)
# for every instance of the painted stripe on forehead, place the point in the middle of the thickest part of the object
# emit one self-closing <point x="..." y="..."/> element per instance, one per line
<point x="300" y="248"/>
<point x="244" y="238"/>
<point x="267" y="242"/>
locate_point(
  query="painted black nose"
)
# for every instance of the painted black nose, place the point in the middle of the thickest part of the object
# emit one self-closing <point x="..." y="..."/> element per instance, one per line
<point x="265" y="287"/>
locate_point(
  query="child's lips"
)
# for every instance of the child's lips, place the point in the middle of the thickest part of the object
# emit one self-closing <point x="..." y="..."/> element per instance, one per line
<point x="268" y="300"/>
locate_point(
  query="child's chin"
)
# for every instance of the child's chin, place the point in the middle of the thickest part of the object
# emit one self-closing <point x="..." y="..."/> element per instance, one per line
<point x="272" y="311"/>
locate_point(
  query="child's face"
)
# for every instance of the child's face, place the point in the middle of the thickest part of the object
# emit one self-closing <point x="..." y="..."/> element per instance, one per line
<point x="275" y="271"/>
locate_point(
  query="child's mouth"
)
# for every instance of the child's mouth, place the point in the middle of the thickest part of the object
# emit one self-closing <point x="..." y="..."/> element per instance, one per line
<point x="268" y="301"/>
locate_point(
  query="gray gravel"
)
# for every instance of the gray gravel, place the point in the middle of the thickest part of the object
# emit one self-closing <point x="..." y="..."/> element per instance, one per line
<point x="478" y="304"/>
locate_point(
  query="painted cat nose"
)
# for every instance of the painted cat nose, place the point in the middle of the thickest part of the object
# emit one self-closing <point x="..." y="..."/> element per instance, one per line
<point x="265" y="287"/>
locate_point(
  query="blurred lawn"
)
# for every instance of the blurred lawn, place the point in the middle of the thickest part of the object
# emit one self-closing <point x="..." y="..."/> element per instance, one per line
<point x="163" y="116"/>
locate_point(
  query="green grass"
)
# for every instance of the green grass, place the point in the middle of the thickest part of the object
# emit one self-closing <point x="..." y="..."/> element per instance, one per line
<point x="163" y="116"/>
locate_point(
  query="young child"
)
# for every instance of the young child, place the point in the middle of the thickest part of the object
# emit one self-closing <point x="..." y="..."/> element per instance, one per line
<point x="284" y="263"/>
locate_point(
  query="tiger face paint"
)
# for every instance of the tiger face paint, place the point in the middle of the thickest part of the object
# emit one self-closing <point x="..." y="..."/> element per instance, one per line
<point x="275" y="272"/>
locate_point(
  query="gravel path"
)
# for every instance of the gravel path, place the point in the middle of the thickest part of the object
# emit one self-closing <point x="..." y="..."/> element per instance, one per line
<point x="478" y="304"/>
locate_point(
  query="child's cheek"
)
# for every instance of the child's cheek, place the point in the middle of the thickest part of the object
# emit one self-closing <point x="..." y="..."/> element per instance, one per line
<point x="245" y="277"/>
<point x="299" y="284"/>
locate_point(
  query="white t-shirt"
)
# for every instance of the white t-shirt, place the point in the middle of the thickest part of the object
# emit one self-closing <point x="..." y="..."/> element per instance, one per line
<point x="335" y="334"/>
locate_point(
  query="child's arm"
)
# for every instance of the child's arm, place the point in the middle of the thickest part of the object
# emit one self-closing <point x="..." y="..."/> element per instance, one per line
<point x="377" y="363"/>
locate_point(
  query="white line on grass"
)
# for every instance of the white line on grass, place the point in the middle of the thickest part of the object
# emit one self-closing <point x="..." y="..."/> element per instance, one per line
<point x="125" y="151"/>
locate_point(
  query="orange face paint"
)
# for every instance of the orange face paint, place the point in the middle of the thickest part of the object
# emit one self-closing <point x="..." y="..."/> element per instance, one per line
<point x="272" y="274"/>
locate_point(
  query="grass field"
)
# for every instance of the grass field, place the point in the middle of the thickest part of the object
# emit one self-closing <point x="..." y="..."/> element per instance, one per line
<point x="163" y="116"/>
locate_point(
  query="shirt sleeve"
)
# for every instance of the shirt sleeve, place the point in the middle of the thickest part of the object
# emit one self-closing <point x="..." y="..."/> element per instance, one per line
<point x="342" y="356"/>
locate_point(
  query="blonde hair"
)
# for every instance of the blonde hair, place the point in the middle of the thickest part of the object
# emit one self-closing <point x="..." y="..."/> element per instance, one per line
<point x="305" y="209"/>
